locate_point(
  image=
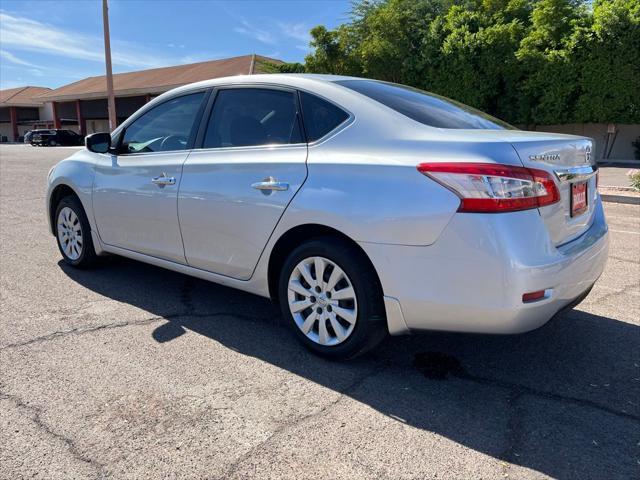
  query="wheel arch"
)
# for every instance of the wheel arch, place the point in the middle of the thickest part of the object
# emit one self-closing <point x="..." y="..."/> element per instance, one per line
<point x="296" y="236"/>
<point x="61" y="191"/>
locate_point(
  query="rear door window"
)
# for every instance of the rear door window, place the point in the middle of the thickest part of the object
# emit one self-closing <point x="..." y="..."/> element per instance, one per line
<point x="243" y="117"/>
<point x="425" y="107"/>
<point x="319" y="116"/>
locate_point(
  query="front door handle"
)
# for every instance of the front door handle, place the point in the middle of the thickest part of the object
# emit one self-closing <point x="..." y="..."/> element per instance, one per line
<point x="270" y="184"/>
<point x="163" y="180"/>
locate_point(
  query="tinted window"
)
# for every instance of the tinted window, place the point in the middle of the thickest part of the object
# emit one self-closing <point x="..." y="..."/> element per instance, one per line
<point x="252" y="116"/>
<point x="163" y="128"/>
<point x="319" y="116"/>
<point x="424" y="107"/>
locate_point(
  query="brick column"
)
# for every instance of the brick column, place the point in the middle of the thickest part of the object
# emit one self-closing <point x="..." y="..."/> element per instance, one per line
<point x="14" y="122"/>
<point x="82" y="123"/>
<point x="56" y="120"/>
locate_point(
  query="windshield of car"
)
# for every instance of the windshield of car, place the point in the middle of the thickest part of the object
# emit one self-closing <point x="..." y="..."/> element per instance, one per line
<point x="425" y="107"/>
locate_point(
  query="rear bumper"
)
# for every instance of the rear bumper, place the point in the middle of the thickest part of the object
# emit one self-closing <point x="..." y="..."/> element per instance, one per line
<point x="473" y="277"/>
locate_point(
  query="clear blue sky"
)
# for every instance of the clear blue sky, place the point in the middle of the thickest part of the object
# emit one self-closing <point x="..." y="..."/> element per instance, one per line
<point x="50" y="44"/>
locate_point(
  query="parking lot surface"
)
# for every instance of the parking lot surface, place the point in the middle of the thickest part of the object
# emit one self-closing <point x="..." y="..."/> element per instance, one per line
<point x="131" y="371"/>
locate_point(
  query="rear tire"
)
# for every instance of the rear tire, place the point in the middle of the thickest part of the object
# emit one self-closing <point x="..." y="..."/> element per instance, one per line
<point x="73" y="234"/>
<point x="341" y="315"/>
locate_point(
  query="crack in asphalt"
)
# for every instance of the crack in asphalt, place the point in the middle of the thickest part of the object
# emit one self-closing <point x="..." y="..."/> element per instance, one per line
<point x="608" y="296"/>
<point x="516" y="391"/>
<point x="231" y="470"/>
<point x="522" y="390"/>
<point x="513" y="430"/>
<point x="36" y="418"/>
<point x="463" y="375"/>
<point x="624" y="260"/>
<point x="81" y="331"/>
<point x="145" y="321"/>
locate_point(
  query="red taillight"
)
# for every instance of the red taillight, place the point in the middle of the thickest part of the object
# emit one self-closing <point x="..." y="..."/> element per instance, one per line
<point x="490" y="187"/>
<point x="533" y="296"/>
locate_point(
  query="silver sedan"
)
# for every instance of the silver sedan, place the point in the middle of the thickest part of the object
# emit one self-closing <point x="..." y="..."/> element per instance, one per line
<point x="362" y="207"/>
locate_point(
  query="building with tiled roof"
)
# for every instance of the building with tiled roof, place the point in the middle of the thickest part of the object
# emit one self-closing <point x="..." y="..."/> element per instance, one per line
<point x="82" y="105"/>
<point x="21" y="109"/>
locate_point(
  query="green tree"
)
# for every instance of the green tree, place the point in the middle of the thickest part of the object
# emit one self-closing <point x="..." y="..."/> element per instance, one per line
<point x="333" y="51"/>
<point x="608" y="64"/>
<point x="469" y="54"/>
<point x="526" y="61"/>
<point x="286" y="67"/>
<point x="549" y="83"/>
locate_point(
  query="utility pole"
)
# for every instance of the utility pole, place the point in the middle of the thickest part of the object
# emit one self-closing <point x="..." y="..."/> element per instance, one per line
<point x="111" y="101"/>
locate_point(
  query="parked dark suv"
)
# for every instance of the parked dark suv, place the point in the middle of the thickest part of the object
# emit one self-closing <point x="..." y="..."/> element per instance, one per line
<point x="53" y="138"/>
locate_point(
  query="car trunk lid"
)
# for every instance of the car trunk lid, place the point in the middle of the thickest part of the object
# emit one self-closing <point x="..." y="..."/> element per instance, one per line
<point x="570" y="160"/>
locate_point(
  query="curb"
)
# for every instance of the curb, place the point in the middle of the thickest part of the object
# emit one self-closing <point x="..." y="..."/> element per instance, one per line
<point x="619" y="163"/>
<point x="612" y="198"/>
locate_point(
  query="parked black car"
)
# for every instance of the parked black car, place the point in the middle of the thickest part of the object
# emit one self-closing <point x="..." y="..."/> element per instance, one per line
<point x="56" y="137"/>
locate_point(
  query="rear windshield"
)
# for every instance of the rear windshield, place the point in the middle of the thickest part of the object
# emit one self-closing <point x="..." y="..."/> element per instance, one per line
<point x="424" y="107"/>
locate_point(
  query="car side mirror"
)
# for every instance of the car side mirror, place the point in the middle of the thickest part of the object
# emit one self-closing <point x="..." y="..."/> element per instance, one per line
<point x="98" y="142"/>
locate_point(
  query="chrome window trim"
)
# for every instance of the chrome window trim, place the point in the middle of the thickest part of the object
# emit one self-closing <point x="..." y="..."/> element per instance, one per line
<point x="277" y="146"/>
<point x="147" y="154"/>
<point x="228" y="86"/>
<point x="338" y="128"/>
<point x="214" y="88"/>
<point x="331" y="133"/>
<point x="121" y="130"/>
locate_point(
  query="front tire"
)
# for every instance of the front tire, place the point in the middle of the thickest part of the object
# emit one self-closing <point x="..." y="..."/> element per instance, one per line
<point x="332" y="298"/>
<point x="73" y="234"/>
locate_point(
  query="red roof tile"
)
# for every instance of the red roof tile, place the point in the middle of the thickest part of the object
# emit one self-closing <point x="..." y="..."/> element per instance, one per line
<point x="22" y="96"/>
<point x="158" y="80"/>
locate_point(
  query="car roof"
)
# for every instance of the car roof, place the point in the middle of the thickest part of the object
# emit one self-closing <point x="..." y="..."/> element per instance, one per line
<point x="296" y="80"/>
<point x="322" y="85"/>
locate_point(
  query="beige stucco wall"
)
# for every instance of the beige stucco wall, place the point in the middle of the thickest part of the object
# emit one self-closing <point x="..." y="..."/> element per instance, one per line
<point x="46" y="112"/>
<point x="5" y="130"/>
<point x="622" y="148"/>
<point x="94" y="126"/>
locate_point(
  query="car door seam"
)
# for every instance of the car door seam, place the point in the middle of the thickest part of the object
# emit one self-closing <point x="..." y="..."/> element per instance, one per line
<point x="304" y="180"/>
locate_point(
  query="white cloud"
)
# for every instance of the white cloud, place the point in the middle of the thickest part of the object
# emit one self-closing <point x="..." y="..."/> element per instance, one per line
<point x="299" y="31"/>
<point x="29" y="35"/>
<point x="263" y="36"/>
<point x="10" y="57"/>
<point x="201" y="57"/>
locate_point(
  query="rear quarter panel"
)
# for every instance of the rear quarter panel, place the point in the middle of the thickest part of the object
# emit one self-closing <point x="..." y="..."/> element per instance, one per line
<point x="364" y="181"/>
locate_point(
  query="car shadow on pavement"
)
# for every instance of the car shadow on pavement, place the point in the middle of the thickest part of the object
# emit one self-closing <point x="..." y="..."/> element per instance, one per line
<point x="562" y="400"/>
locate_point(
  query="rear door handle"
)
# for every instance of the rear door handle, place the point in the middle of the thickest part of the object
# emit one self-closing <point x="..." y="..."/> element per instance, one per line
<point x="163" y="180"/>
<point x="269" y="185"/>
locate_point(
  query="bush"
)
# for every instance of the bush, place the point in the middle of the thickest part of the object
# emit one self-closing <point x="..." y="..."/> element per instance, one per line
<point x="634" y="176"/>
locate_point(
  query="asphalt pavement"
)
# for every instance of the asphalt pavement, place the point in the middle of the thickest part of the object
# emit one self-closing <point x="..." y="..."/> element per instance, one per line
<point x="131" y="371"/>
